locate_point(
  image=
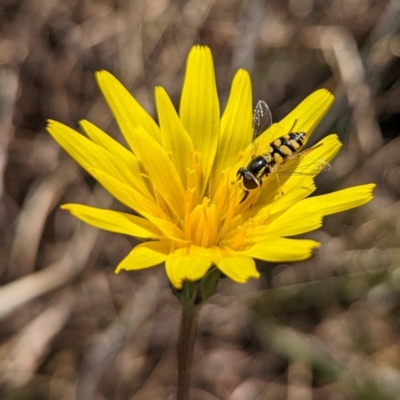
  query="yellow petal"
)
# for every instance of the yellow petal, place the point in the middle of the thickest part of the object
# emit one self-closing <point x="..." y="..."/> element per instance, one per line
<point x="308" y="114"/>
<point x="175" y="139"/>
<point x="145" y="255"/>
<point x="335" y="202"/>
<point x="128" y="113"/>
<point x="240" y="269"/>
<point x="236" y="126"/>
<point x="130" y="164"/>
<point x="125" y="194"/>
<point x="279" y="204"/>
<point x="134" y="200"/>
<point x="114" y="221"/>
<point x="278" y="196"/>
<point x="199" y="108"/>
<point x="108" y="143"/>
<point x="86" y="153"/>
<point x="212" y="254"/>
<point x="306" y="215"/>
<point x="180" y="268"/>
<point x="162" y="172"/>
<point x="282" y="249"/>
<point x="169" y="229"/>
<point x="288" y="224"/>
<point x="104" y="140"/>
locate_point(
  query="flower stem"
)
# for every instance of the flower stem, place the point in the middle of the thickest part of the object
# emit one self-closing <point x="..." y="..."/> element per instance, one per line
<point x="187" y="337"/>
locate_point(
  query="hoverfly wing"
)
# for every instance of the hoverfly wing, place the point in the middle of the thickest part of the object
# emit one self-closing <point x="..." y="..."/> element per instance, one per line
<point x="315" y="166"/>
<point x="262" y="118"/>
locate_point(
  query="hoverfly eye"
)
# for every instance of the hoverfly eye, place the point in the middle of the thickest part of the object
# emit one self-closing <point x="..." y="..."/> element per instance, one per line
<point x="249" y="181"/>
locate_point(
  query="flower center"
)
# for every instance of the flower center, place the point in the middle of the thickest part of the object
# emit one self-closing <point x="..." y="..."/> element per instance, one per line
<point x="204" y="224"/>
<point x="207" y="223"/>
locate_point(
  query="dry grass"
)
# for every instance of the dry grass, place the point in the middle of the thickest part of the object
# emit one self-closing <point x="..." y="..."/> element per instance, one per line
<point x="322" y="329"/>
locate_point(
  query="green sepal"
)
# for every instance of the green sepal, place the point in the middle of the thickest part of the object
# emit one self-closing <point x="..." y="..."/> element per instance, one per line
<point x="209" y="283"/>
<point x="198" y="292"/>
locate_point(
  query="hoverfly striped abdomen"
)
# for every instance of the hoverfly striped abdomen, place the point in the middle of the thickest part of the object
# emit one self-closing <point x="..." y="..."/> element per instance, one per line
<point x="286" y="146"/>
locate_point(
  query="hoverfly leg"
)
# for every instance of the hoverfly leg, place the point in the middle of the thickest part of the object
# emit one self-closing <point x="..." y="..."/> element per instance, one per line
<point x="279" y="184"/>
<point x="245" y="195"/>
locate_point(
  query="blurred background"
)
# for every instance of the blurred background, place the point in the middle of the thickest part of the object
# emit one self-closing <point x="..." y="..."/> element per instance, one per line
<point x="327" y="328"/>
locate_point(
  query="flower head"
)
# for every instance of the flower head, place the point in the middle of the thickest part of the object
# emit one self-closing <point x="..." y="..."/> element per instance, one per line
<point x="179" y="177"/>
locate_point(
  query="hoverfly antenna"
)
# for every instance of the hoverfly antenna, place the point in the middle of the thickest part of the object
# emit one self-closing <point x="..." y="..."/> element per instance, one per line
<point x="294" y="124"/>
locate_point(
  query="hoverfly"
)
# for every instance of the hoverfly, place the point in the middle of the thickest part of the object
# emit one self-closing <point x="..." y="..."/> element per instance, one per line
<point x="279" y="151"/>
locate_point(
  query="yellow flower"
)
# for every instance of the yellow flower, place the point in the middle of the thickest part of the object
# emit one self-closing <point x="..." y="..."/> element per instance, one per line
<point x="179" y="177"/>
